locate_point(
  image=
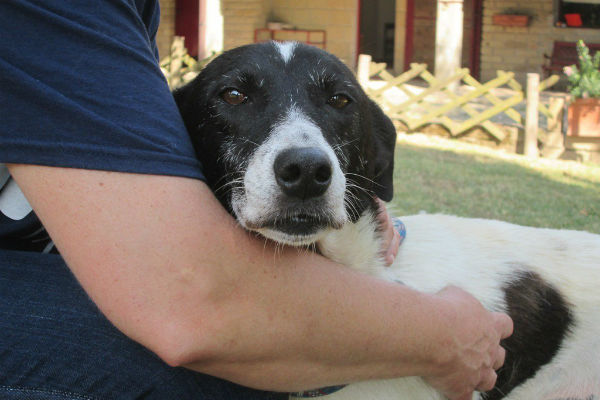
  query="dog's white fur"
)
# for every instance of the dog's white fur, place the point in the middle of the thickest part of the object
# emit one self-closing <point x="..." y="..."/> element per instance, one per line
<point x="286" y="50"/>
<point x="480" y="256"/>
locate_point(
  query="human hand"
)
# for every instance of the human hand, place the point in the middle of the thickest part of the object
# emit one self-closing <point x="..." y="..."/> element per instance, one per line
<point x="470" y="360"/>
<point x="390" y="236"/>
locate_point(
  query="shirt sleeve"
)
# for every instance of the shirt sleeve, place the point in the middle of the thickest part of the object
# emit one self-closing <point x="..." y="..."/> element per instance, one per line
<point x="81" y="88"/>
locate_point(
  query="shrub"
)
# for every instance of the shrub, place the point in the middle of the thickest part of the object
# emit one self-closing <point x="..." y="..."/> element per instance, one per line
<point x="179" y="67"/>
<point x="584" y="80"/>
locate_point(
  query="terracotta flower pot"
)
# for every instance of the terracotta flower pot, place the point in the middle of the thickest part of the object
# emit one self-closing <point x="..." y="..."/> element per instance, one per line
<point x="584" y="118"/>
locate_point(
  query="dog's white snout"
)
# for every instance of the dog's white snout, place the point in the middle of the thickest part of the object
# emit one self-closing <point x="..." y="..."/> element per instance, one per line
<point x="293" y="178"/>
<point x="303" y="172"/>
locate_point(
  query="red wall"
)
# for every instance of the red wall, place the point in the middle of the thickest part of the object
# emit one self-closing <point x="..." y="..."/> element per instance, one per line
<point x="186" y="23"/>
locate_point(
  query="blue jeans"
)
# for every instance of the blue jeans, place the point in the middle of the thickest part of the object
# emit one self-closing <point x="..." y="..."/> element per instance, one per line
<point x="56" y="345"/>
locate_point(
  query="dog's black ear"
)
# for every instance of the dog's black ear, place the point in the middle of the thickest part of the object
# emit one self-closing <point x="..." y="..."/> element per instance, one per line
<point x="185" y="98"/>
<point x="384" y="142"/>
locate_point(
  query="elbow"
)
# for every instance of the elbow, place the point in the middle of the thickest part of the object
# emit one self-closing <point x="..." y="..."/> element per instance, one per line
<point x="171" y="349"/>
<point x="194" y="324"/>
<point x="194" y="331"/>
<point x="174" y="358"/>
<point x="179" y="344"/>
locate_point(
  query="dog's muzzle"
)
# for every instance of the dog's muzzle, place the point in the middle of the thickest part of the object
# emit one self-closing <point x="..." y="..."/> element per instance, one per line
<point x="303" y="172"/>
<point x="303" y="175"/>
<point x="294" y="188"/>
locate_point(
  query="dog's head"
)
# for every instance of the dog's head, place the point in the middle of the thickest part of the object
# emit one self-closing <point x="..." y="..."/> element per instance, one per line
<point x="290" y="143"/>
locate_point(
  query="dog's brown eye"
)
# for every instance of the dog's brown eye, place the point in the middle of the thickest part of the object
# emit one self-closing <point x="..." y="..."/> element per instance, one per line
<point x="234" y="97"/>
<point x="338" y="101"/>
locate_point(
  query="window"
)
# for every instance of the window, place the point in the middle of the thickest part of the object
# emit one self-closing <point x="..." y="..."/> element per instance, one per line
<point x="578" y="14"/>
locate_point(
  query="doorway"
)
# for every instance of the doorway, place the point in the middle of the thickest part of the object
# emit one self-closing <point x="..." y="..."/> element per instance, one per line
<point x="376" y="30"/>
<point x="420" y="34"/>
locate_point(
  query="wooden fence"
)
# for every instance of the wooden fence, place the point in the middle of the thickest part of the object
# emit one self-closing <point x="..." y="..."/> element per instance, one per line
<point x="437" y="100"/>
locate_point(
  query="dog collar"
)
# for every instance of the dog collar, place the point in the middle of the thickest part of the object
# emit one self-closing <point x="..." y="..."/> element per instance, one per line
<point x="318" y="392"/>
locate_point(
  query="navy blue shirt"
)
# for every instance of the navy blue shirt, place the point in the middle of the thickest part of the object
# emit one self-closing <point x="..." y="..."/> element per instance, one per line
<point x="80" y="87"/>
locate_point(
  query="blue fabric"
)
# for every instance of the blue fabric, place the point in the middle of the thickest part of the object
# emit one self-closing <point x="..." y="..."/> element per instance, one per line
<point x="81" y="87"/>
<point x="55" y="344"/>
<point x="326" y="391"/>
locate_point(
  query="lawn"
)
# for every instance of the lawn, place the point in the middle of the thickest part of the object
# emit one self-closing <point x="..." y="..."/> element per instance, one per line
<point x="438" y="175"/>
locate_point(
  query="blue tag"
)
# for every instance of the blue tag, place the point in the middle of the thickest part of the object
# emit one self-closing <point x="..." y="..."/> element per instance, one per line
<point x="400" y="227"/>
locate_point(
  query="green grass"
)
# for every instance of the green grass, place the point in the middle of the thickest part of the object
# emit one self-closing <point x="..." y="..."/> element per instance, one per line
<point x="446" y="176"/>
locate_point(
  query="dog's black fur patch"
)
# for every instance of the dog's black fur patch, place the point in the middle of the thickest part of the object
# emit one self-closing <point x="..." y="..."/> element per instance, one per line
<point x="312" y="76"/>
<point x="542" y="319"/>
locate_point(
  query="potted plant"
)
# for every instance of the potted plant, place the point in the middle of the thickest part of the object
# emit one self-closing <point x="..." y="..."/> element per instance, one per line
<point x="584" y="87"/>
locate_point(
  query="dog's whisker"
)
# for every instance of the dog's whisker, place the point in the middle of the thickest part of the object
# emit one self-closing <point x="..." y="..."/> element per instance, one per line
<point x="231" y="184"/>
<point x="227" y="188"/>
<point x="350" y="204"/>
<point x="352" y="184"/>
<point x="234" y="180"/>
<point x="361" y="189"/>
<point x="364" y="177"/>
<point x="340" y="145"/>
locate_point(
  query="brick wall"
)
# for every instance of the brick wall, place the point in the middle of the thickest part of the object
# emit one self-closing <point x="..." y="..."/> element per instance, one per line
<point x="521" y="49"/>
<point x="424" y="33"/>
<point x="166" y="29"/>
<point x="518" y="49"/>
<point x="337" y="17"/>
<point x="240" y="18"/>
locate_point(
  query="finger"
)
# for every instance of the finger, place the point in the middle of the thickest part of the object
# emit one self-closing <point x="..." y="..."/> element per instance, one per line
<point x="504" y="325"/>
<point x="488" y="381"/>
<point x="384" y="220"/>
<point x="390" y="236"/>
<point x="392" y="250"/>
<point x="500" y="357"/>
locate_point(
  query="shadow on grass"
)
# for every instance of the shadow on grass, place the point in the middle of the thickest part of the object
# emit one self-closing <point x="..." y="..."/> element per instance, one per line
<point x="478" y="185"/>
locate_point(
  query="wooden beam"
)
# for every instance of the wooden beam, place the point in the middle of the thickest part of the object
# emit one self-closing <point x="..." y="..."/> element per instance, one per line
<point x="448" y="39"/>
<point x="363" y="70"/>
<point x="531" y="116"/>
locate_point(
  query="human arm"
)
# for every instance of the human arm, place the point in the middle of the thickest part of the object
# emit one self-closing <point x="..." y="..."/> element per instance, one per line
<point x="172" y="270"/>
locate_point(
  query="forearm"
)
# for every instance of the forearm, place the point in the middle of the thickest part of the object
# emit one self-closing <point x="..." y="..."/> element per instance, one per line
<point x="172" y="270"/>
<point x="314" y="324"/>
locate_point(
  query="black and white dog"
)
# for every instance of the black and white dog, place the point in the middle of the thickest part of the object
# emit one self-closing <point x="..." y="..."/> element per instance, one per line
<point x="295" y="150"/>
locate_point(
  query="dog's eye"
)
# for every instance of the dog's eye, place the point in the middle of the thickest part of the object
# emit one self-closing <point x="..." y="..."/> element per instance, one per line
<point x="234" y="97"/>
<point x="338" y="101"/>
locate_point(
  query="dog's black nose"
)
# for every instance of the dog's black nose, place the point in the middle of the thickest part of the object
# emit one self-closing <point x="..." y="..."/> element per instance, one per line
<point x="303" y="172"/>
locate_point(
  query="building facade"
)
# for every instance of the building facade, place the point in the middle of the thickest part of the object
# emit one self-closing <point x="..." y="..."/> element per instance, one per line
<point x="397" y="31"/>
